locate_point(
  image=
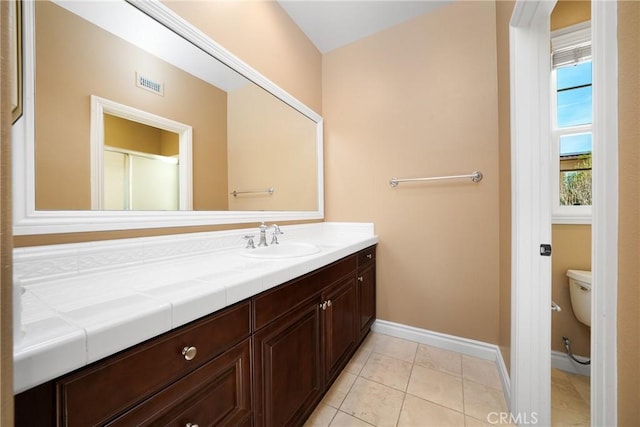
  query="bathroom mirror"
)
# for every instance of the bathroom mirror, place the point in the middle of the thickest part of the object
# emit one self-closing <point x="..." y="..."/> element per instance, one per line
<point x="256" y="152"/>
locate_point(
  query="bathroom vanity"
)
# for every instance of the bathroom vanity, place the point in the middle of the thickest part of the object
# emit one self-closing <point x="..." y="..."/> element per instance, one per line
<point x="187" y="329"/>
<point x="265" y="360"/>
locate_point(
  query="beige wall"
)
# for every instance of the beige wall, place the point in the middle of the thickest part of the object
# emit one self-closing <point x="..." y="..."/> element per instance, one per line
<point x="262" y="34"/>
<point x="130" y="135"/>
<point x="276" y="149"/>
<point x="629" y="214"/>
<point x="69" y="72"/>
<point x="6" y="253"/>
<point x="504" y="9"/>
<point x="570" y="12"/>
<point x="169" y="143"/>
<point x="571" y="250"/>
<point x="403" y="103"/>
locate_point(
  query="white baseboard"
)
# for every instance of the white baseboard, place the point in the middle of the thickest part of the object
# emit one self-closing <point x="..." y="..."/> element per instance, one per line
<point x="563" y="362"/>
<point x="466" y="346"/>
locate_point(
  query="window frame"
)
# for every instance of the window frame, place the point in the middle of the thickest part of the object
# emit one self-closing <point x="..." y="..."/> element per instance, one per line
<point x="562" y="214"/>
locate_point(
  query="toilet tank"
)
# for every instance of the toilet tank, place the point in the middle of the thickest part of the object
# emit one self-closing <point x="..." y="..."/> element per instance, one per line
<point x="580" y="292"/>
<point x="582" y="277"/>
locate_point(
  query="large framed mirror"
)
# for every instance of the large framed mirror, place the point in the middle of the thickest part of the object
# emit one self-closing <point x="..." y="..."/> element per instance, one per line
<point x="114" y="89"/>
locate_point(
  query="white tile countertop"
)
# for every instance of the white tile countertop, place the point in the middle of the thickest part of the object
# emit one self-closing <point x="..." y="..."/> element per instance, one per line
<point x="82" y="302"/>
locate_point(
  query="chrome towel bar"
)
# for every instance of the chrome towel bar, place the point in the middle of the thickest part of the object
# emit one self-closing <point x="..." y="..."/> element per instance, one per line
<point x="268" y="190"/>
<point x="475" y="177"/>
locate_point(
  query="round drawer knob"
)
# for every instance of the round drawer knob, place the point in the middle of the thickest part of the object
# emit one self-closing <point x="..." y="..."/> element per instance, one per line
<point x="189" y="424"/>
<point x="369" y="256"/>
<point x="189" y="353"/>
<point x="360" y="279"/>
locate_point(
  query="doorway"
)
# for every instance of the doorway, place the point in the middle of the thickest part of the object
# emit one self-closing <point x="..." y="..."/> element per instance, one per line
<point x="571" y="159"/>
<point x="531" y="213"/>
<point x="131" y="124"/>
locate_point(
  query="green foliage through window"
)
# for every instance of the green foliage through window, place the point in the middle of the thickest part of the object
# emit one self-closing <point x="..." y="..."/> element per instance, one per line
<point x="575" y="185"/>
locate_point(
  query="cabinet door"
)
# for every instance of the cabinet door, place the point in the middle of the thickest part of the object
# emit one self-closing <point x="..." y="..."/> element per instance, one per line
<point x="218" y="393"/>
<point x="340" y="322"/>
<point x="366" y="283"/>
<point x="287" y="367"/>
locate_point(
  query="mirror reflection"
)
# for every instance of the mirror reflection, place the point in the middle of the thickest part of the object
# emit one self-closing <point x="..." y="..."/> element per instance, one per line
<point x="140" y="166"/>
<point x="244" y="140"/>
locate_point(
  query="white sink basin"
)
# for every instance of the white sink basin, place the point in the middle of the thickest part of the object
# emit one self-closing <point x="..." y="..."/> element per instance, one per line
<point x="283" y="250"/>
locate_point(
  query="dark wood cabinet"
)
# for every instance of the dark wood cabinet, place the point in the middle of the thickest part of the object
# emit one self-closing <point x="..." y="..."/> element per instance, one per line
<point x="310" y="329"/>
<point x="288" y="368"/>
<point x="266" y="361"/>
<point x="366" y="290"/>
<point x="340" y="326"/>
<point x="299" y="342"/>
<point x="216" y="394"/>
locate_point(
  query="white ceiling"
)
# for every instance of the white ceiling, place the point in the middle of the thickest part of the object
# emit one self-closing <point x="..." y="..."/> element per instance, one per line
<point x="330" y="24"/>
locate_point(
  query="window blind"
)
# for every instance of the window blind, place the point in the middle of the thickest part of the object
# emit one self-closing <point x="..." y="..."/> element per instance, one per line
<point x="571" y="45"/>
<point x="572" y="55"/>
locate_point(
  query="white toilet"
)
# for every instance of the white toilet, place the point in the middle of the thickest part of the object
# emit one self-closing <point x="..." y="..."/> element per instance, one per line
<point x="580" y="292"/>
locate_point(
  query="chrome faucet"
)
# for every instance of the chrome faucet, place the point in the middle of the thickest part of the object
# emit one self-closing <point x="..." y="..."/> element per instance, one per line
<point x="276" y="233"/>
<point x="263" y="234"/>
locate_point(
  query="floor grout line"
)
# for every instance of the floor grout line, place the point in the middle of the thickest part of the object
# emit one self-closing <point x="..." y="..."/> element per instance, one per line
<point x="464" y="407"/>
<point x="372" y="347"/>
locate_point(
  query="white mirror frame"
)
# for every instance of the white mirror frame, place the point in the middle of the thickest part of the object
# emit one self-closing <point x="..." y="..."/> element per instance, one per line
<point x="27" y="220"/>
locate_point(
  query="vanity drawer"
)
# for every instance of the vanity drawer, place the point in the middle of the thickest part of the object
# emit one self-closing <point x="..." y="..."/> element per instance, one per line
<point x="97" y="393"/>
<point x="218" y="393"/>
<point x="274" y="303"/>
<point x="366" y="256"/>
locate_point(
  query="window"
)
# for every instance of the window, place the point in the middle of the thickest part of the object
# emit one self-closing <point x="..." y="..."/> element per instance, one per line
<point x="572" y="121"/>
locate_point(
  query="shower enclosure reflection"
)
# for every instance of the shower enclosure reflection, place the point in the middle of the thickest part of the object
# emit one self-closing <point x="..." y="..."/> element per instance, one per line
<point x="140" y="166"/>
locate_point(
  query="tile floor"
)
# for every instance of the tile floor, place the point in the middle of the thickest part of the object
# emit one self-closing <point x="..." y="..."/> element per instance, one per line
<point x="395" y="382"/>
<point x="570" y="399"/>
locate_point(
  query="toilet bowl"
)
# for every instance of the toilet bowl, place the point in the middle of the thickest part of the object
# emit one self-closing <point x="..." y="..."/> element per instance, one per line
<point x="580" y="292"/>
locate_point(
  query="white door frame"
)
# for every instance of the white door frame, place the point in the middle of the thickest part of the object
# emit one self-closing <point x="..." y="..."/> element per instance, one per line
<point x="531" y="213"/>
<point x="604" y="231"/>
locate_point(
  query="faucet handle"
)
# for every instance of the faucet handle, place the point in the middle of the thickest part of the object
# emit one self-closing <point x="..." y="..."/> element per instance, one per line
<point x="249" y="239"/>
<point x="276" y="233"/>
